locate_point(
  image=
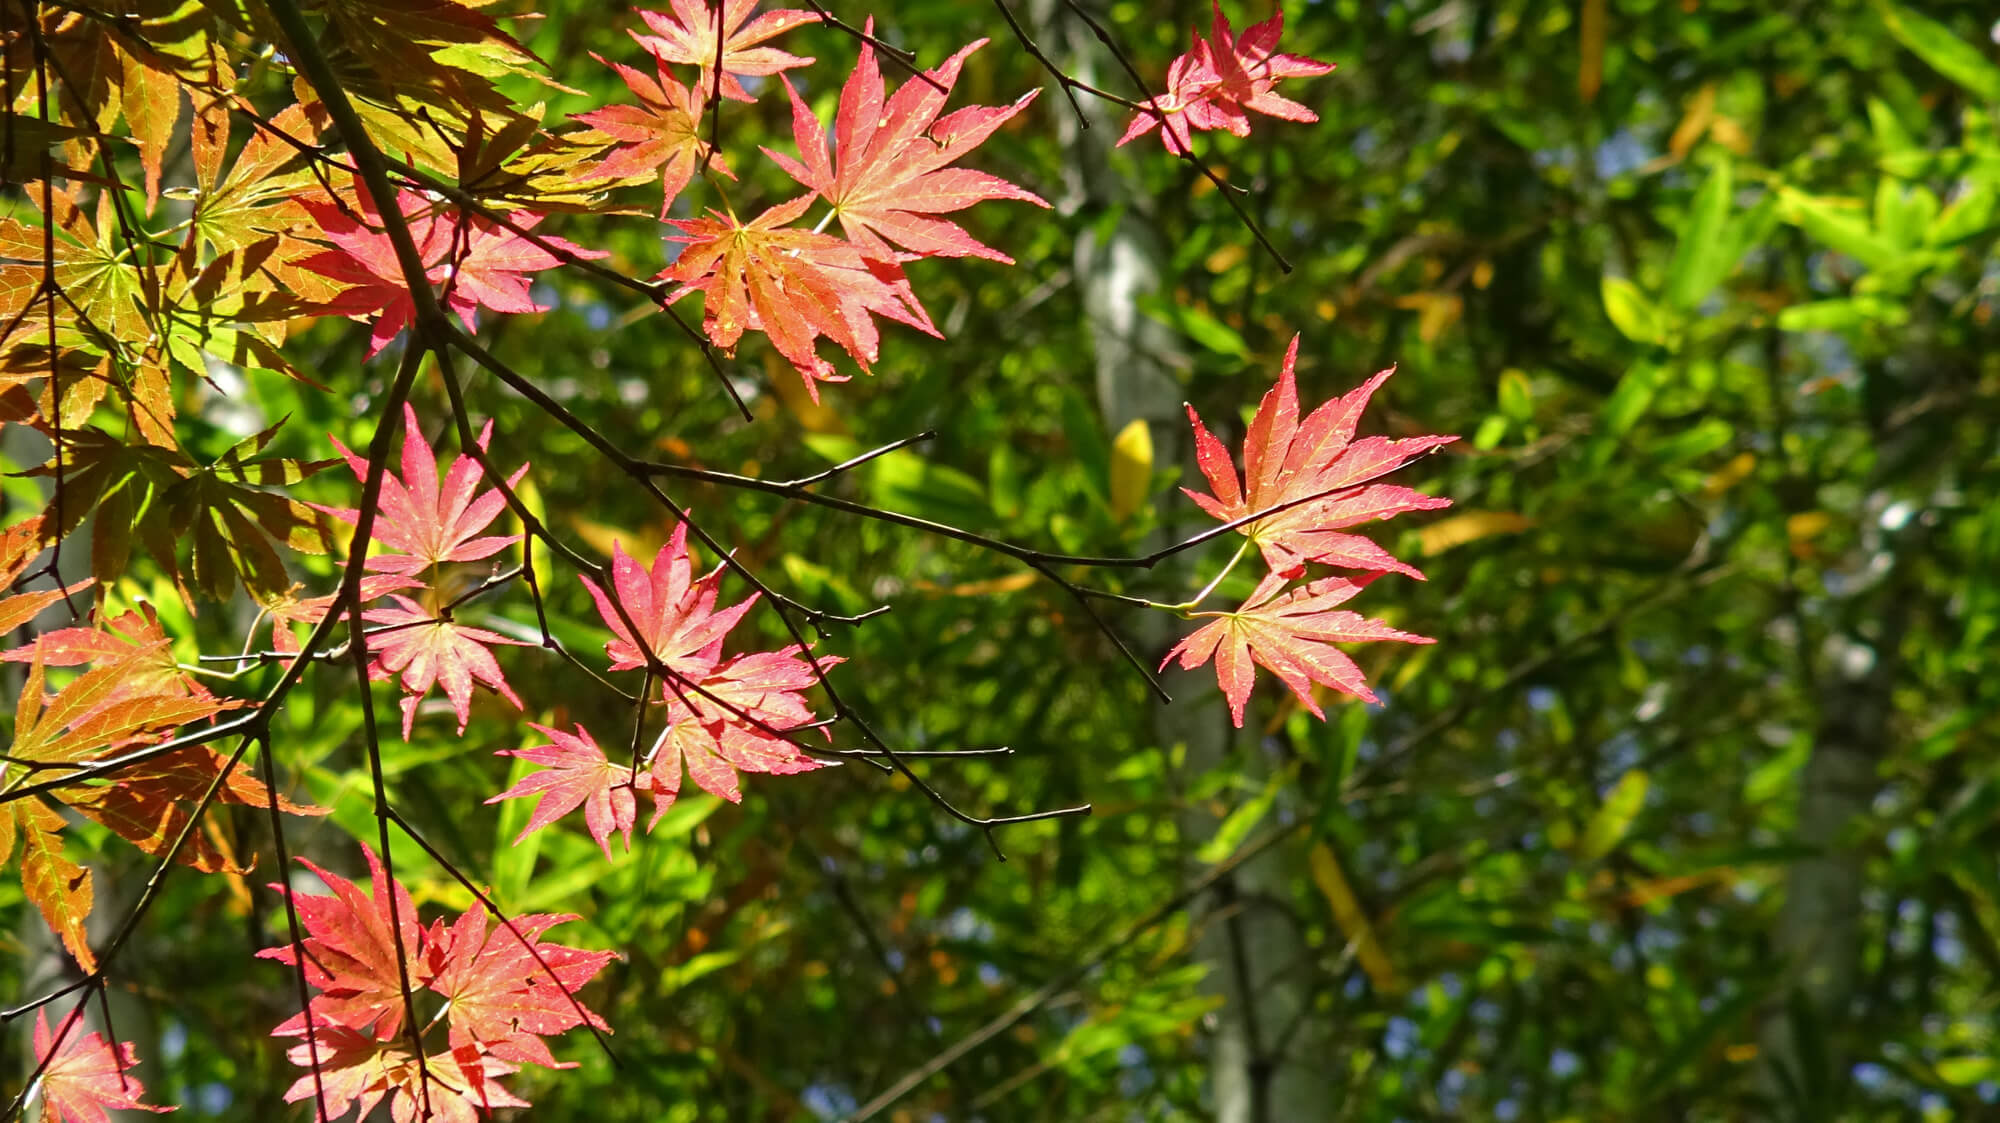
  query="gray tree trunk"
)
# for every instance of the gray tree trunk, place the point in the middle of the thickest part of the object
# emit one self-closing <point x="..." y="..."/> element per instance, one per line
<point x="1267" y="1052"/>
<point x="1818" y="934"/>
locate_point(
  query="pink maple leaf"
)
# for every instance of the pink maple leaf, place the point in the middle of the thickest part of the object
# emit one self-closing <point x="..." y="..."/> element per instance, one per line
<point x="83" y="1075"/>
<point x="1291" y="635"/>
<point x="576" y="774"/>
<point x="735" y="721"/>
<point x="675" y="613"/>
<point x="428" y="521"/>
<point x="889" y="173"/>
<point x="428" y="651"/>
<point x="1315" y="471"/>
<point x="661" y="135"/>
<point x="1213" y="85"/>
<point x="505" y="989"/>
<point x="793" y="285"/>
<point x="484" y="263"/>
<point x="351" y="951"/>
<point x="356" y="1070"/>
<point x="695" y="33"/>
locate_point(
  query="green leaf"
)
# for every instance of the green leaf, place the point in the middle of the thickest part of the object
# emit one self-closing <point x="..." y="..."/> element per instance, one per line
<point x="1904" y="213"/>
<point x="1086" y="441"/>
<point x="1707" y="435"/>
<point x="1207" y="331"/>
<point x="1966" y="1071"/>
<point x="1701" y="256"/>
<point x="1695" y="1042"/>
<point x="1969" y="215"/>
<point x="1629" y="402"/>
<point x="1607" y="828"/>
<point x="1239" y="824"/>
<point x="1890" y="135"/>
<point x="1842" y="315"/>
<point x="1517" y="398"/>
<point x="1837" y="223"/>
<point x="1944" y="51"/>
<point x="1631" y="313"/>
<point x="1004" y="481"/>
<point x="514" y="863"/>
<point x="905" y="481"/>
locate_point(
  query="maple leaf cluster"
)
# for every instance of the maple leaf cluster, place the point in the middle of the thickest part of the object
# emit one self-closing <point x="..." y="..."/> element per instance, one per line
<point x="718" y="715"/>
<point x="1224" y="79"/>
<point x="118" y="314"/>
<point x="497" y="991"/>
<point x="480" y="262"/>
<point x="888" y="177"/>
<point x="1305" y="485"/>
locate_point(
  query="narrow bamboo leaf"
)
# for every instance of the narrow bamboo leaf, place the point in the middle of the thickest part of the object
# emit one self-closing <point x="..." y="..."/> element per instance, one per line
<point x="1607" y="828"/>
<point x="1239" y="824"/>
<point x="1840" y="226"/>
<point x="1701" y="257"/>
<point x="1944" y="50"/>
<point x="1353" y="920"/>
<point x="1631" y="313"/>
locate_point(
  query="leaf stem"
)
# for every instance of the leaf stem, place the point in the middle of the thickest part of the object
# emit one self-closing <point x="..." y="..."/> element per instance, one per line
<point x="1184" y="606"/>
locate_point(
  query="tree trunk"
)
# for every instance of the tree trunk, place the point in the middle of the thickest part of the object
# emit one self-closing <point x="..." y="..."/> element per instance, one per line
<point x="1818" y="935"/>
<point x="1267" y="1056"/>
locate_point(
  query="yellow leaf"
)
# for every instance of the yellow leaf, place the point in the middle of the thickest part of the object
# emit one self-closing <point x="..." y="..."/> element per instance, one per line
<point x="1806" y="526"/>
<point x="1353" y="921"/>
<point x="988" y="588"/>
<point x="813" y="417"/>
<point x="1729" y="475"/>
<point x="1700" y="113"/>
<point x="1131" y="468"/>
<point x="1590" y="67"/>
<point x="641" y="544"/>
<point x="1226" y="258"/>
<point x="1468" y="526"/>
<point x="1436" y="311"/>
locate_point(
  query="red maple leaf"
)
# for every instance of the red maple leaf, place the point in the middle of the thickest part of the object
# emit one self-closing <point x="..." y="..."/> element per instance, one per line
<point x="577" y="774"/>
<point x="350" y="952"/>
<point x="505" y="989"/>
<point x="1290" y="462"/>
<point x="661" y="135"/>
<point x="355" y="1069"/>
<point x="674" y="612"/>
<point x="1291" y="635"/>
<point x="690" y="33"/>
<point x="734" y="722"/>
<point x="502" y="992"/>
<point x="891" y="169"/>
<point x="793" y="285"/>
<point x="427" y="651"/>
<point x="427" y="522"/>
<point x="484" y="263"/>
<point x="1213" y="85"/>
<point x="84" y="1075"/>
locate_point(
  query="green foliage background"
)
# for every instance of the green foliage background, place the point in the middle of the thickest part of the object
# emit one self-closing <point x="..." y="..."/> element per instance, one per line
<point x="1708" y="287"/>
